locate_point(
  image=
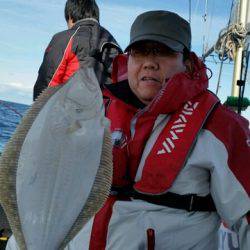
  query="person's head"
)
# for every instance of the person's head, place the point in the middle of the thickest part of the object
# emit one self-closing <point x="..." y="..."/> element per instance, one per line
<point x="159" y="46"/>
<point x="76" y="10"/>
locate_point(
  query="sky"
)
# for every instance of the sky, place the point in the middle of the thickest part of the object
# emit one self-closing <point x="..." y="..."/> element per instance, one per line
<point x="27" y="26"/>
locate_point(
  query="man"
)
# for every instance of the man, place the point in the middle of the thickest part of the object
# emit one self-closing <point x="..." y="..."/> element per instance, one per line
<point x="181" y="159"/>
<point x="67" y="49"/>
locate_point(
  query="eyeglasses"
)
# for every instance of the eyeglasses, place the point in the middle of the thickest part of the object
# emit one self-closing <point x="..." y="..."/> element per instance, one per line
<point x="154" y="49"/>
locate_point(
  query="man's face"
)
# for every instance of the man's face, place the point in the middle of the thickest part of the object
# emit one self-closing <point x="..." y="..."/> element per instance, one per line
<point x="150" y="65"/>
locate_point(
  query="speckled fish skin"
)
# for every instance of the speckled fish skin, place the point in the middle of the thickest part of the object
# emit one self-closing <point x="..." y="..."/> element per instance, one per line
<point x="59" y="181"/>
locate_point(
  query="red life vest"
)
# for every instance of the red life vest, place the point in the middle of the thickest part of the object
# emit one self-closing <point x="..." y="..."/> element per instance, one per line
<point x="184" y="97"/>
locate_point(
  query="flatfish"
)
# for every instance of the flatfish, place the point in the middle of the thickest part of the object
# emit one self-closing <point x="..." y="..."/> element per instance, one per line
<point x="56" y="171"/>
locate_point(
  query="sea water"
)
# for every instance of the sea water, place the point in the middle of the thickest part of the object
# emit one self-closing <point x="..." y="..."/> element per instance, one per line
<point x="10" y="116"/>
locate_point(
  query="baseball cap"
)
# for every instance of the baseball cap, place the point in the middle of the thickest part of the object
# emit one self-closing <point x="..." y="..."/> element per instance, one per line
<point x="161" y="26"/>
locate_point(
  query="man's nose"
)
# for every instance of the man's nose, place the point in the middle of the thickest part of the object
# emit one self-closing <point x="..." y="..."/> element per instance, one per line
<point x="150" y="63"/>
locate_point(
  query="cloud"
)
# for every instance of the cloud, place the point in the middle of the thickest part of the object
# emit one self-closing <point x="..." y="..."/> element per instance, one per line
<point x="15" y="87"/>
<point x="11" y="46"/>
<point x="16" y="92"/>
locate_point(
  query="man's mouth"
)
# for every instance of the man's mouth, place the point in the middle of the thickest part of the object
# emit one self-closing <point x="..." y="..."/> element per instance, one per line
<point x="150" y="79"/>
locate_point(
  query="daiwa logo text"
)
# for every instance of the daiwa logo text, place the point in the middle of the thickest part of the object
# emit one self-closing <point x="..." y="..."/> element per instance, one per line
<point x="177" y="129"/>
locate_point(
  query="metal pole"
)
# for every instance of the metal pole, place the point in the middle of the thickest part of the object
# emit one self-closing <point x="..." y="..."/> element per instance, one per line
<point x="210" y="51"/>
<point x="238" y="57"/>
<point x="190" y="9"/>
<point x="219" y="78"/>
<point x="205" y="20"/>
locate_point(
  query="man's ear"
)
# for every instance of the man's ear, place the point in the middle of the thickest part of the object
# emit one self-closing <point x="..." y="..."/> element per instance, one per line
<point x="189" y="66"/>
<point x="70" y="22"/>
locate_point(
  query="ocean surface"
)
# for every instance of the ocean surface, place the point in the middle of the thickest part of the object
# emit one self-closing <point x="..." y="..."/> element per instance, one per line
<point x="10" y="116"/>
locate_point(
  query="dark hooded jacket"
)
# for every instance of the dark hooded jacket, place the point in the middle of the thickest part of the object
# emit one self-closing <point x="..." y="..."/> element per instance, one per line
<point x="68" y="49"/>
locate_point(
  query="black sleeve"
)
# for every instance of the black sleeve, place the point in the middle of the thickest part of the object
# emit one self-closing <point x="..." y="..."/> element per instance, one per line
<point x="51" y="60"/>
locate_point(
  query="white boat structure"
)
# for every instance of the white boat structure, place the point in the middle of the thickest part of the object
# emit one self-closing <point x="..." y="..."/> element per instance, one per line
<point x="233" y="45"/>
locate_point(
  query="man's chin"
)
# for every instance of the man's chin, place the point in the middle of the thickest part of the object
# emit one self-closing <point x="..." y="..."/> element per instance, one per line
<point x="146" y="99"/>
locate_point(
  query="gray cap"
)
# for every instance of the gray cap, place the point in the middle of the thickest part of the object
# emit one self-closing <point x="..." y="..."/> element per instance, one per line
<point x="161" y="26"/>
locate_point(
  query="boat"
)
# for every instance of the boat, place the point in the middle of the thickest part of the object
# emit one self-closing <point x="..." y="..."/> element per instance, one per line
<point x="238" y="28"/>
